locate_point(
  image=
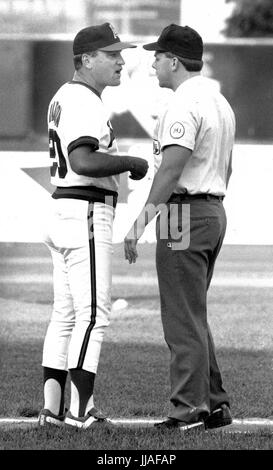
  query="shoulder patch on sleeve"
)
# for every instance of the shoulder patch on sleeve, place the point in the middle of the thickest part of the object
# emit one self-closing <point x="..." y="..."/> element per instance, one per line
<point x="177" y="130"/>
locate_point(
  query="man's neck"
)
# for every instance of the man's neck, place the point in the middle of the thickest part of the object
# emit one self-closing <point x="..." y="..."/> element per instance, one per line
<point x="79" y="76"/>
<point x="182" y="79"/>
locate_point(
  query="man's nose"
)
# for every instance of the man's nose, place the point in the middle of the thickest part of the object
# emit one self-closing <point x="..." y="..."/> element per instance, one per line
<point x="121" y="60"/>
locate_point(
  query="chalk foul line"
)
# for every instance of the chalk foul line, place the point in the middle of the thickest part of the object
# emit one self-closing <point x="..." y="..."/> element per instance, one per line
<point x="264" y="422"/>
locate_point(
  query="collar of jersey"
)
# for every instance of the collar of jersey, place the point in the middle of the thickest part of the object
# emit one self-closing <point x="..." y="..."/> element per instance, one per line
<point x="75" y="82"/>
<point x="192" y="82"/>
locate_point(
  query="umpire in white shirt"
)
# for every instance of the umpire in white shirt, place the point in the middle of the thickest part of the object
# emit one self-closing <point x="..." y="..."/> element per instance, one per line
<point x="193" y="151"/>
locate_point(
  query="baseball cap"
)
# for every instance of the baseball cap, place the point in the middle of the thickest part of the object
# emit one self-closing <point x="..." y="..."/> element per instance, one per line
<point x="180" y="40"/>
<point x="100" y="37"/>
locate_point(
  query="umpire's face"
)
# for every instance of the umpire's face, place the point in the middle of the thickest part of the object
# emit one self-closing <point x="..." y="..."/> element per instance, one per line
<point x="105" y="68"/>
<point x="162" y="66"/>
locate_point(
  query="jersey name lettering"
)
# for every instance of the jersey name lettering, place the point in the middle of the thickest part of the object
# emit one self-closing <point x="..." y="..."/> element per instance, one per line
<point x="55" y="113"/>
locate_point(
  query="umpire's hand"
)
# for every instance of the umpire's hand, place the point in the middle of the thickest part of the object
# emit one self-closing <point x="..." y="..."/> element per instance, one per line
<point x="130" y="250"/>
<point x="131" y="239"/>
<point x="138" y="169"/>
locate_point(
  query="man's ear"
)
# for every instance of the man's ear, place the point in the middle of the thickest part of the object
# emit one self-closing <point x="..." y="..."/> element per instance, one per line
<point x="86" y="61"/>
<point x="175" y="63"/>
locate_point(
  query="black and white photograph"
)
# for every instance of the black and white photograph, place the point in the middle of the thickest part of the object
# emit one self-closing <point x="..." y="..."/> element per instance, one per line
<point x="136" y="240"/>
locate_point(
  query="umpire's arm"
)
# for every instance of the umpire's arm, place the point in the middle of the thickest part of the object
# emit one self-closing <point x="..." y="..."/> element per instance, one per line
<point x="174" y="159"/>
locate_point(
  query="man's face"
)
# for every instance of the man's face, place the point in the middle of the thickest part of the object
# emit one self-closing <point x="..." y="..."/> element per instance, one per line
<point x="106" y="68"/>
<point x="162" y="66"/>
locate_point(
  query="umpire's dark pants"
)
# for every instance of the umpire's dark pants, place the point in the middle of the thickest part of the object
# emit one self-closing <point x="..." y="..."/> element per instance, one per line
<point x="184" y="271"/>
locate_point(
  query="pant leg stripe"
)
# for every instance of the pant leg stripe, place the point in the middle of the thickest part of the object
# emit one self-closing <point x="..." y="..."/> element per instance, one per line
<point x="93" y="313"/>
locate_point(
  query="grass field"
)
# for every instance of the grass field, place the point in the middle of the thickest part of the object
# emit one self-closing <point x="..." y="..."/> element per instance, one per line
<point x="133" y="377"/>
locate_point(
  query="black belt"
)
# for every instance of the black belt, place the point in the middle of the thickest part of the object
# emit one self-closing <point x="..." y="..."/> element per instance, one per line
<point x="87" y="193"/>
<point x="175" y="197"/>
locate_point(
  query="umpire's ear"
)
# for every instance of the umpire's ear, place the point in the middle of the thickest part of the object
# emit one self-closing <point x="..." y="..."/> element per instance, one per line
<point x="175" y="64"/>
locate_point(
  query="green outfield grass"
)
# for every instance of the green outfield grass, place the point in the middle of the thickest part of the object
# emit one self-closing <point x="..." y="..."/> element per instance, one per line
<point x="133" y="376"/>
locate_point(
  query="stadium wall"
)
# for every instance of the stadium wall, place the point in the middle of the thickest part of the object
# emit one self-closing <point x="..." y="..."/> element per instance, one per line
<point x="33" y="69"/>
<point x="249" y="200"/>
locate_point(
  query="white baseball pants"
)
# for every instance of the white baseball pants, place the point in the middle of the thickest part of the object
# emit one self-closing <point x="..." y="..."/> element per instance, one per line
<point x="79" y="236"/>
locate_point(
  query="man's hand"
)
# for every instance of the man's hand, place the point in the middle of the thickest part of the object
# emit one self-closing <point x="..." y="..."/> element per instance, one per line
<point x="131" y="239"/>
<point x="130" y="250"/>
<point x="139" y="168"/>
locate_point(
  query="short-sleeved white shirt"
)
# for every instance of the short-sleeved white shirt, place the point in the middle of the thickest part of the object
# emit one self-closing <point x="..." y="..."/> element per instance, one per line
<point x="76" y="116"/>
<point x="199" y="118"/>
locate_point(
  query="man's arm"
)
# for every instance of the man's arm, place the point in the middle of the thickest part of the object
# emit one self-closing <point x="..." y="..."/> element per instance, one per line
<point x="96" y="164"/>
<point x="174" y="160"/>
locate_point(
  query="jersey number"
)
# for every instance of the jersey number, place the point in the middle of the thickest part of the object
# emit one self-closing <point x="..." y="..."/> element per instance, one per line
<point x="55" y="151"/>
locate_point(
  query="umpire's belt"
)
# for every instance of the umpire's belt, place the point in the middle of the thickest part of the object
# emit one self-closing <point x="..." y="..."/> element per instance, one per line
<point x="87" y="193"/>
<point x="175" y="197"/>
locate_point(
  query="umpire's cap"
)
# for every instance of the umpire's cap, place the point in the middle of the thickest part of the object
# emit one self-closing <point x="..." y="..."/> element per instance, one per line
<point x="182" y="41"/>
<point x="100" y="37"/>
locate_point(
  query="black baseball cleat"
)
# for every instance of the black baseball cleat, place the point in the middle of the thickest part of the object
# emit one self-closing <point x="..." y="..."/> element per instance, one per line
<point x="172" y="423"/>
<point x="219" y="417"/>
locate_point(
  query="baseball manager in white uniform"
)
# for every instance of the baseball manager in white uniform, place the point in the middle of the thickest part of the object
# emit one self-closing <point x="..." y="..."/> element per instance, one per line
<point x="193" y="150"/>
<point x="85" y="168"/>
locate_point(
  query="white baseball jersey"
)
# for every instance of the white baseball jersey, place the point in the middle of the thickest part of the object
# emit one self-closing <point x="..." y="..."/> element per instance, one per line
<point x="76" y="116"/>
<point x="79" y="231"/>
<point x="199" y="118"/>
